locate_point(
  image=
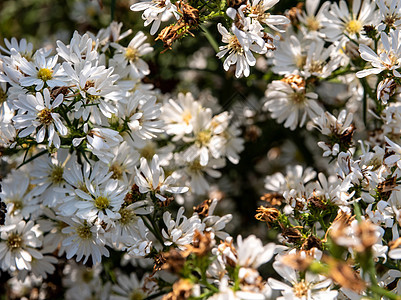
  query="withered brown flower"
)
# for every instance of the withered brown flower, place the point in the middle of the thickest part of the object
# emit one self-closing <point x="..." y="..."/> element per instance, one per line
<point x="182" y="289"/>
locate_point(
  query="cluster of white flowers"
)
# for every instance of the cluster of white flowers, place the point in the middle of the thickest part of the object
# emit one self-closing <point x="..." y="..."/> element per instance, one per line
<point x="101" y="152"/>
<point x="107" y="170"/>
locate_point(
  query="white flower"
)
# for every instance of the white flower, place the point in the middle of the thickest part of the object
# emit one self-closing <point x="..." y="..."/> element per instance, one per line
<point x="80" y="50"/>
<point x="341" y="22"/>
<point x="290" y="56"/>
<point x="100" y="201"/>
<point x="394" y="158"/>
<point x="313" y="287"/>
<point x="390" y="14"/>
<point x="132" y="55"/>
<point x="239" y="55"/>
<point x="387" y="59"/>
<point x="139" y="244"/>
<point x="40" y="268"/>
<point x="110" y="34"/>
<point x="16" y="195"/>
<point x="18" y="242"/>
<point x="257" y="10"/>
<point x="101" y="141"/>
<point x="385" y="89"/>
<point x="196" y="173"/>
<point x="251" y="253"/>
<point x="22" y="47"/>
<point x="141" y="113"/>
<point x="311" y="20"/>
<point x="47" y="176"/>
<point x="156" y="12"/>
<point x="216" y="224"/>
<point x="181" y="231"/>
<point x="41" y="71"/>
<point x="290" y="104"/>
<point x="39" y="112"/>
<point x="128" y="225"/>
<point x="295" y="179"/>
<point x="123" y="163"/>
<point x="179" y="115"/>
<point x="96" y="86"/>
<point x="151" y="179"/>
<point x="84" y="240"/>
<point x="128" y="288"/>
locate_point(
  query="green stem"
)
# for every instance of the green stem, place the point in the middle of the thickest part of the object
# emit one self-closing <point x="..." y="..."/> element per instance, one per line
<point x="153" y="228"/>
<point x="32" y="158"/>
<point x="210" y="38"/>
<point x="357" y="211"/>
<point x="383" y="292"/>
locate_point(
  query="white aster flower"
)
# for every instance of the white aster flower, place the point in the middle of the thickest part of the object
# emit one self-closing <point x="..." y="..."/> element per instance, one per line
<point x="16" y="195"/>
<point x="151" y="179"/>
<point x="80" y="50"/>
<point x="128" y="288"/>
<point x="141" y="113"/>
<point x="18" y="243"/>
<point x="180" y="231"/>
<point x="290" y="104"/>
<point x="388" y="59"/>
<point x="390" y="11"/>
<point x="131" y="55"/>
<point x="101" y="141"/>
<point x="179" y="115"/>
<point x="84" y="240"/>
<point x="257" y="9"/>
<point x="239" y="55"/>
<point x="313" y="287"/>
<point x="341" y="23"/>
<point x="139" y="244"/>
<point x="22" y="47"/>
<point x="41" y="71"/>
<point x="156" y="12"/>
<point x="38" y="112"/>
<point x="311" y="20"/>
<point x="100" y="201"/>
<point x="96" y="86"/>
<point x="395" y="157"/>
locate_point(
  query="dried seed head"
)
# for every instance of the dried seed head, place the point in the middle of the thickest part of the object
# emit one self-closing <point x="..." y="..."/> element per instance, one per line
<point x="267" y="214"/>
<point x="182" y="289"/>
<point x="203" y="209"/>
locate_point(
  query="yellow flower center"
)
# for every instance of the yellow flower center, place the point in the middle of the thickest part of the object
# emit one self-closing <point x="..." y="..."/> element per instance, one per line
<point x="353" y="26"/>
<point x="102" y="202"/>
<point x="117" y="171"/>
<point x="127" y="216"/>
<point x="300" y="289"/>
<point x="312" y="23"/>
<point x="203" y="137"/>
<point x="84" y="232"/>
<point x="235" y="45"/>
<point x="131" y="54"/>
<point x="186" y="117"/>
<point x="316" y="67"/>
<point x="56" y="175"/>
<point x="14" y="241"/>
<point x="45" y="116"/>
<point x="195" y="166"/>
<point x="137" y="295"/>
<point x="298" y="98"/>
<point x="45" y="74"/>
